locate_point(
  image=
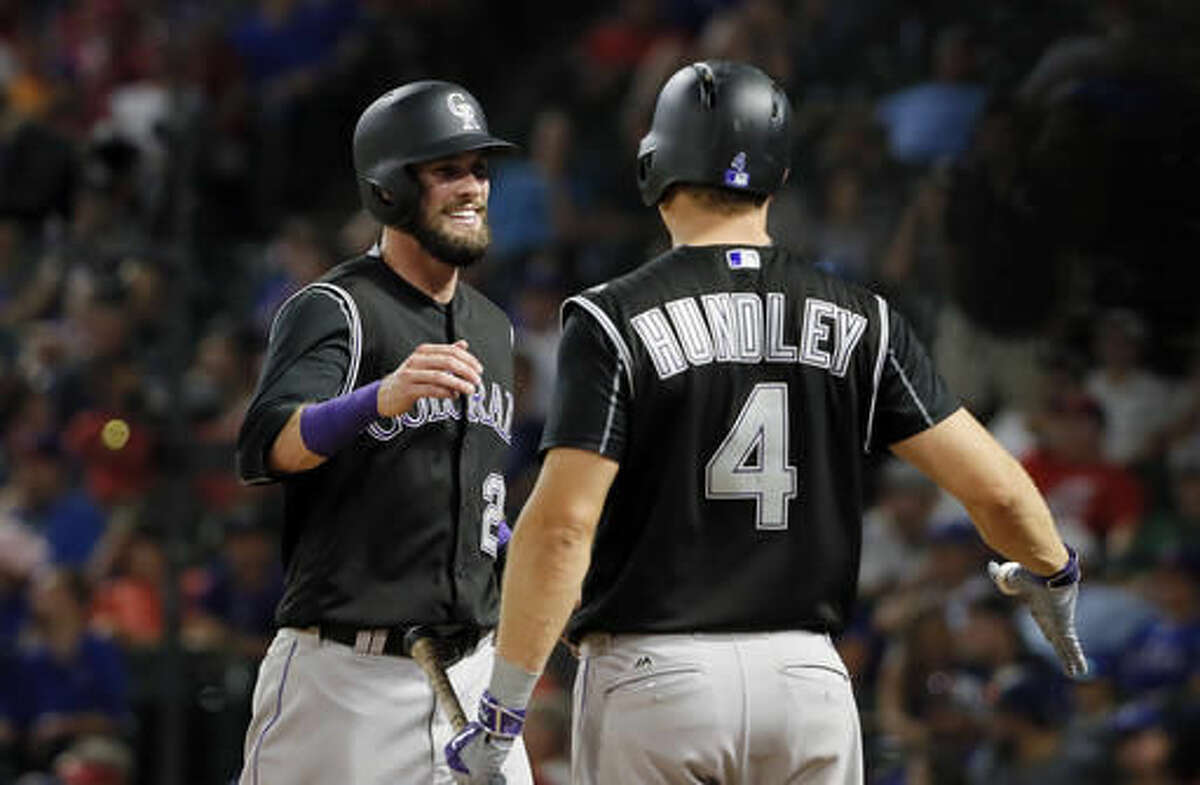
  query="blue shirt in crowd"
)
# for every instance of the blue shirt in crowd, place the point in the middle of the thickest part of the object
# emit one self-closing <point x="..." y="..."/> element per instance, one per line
<point x="94" y="681"/>
<point x="72" y="524"/>
<point x="1163" y="655"/>
<point x="932" y="120"/>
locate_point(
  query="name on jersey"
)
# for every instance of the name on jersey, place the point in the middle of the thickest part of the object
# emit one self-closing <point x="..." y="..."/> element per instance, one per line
<point x="745" y="327"/>
<point x="491" y="406"/>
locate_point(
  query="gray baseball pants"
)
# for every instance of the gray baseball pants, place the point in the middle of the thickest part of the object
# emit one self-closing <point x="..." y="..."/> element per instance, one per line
<point x="325" y="714"/>
<point x="718" y="709"/>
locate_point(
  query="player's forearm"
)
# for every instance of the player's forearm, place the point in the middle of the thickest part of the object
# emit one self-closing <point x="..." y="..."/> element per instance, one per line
<point x="288" y="452"/>
<point x="1017" y="523"/>
<point x="547" y="561"/>
<point x="1006" y="507"/>
<point x="316" y="431"/>
<point x="550" y="553"/>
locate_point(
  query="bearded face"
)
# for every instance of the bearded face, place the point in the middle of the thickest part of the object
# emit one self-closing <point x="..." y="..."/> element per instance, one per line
<point x="451" y="223"/>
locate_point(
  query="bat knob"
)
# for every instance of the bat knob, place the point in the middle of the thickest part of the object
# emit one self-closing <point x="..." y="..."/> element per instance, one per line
<point x="416" y="633"/>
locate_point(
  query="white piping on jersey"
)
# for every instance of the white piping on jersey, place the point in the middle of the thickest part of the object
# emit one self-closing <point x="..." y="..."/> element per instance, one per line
<point x="610" y="329"/>
<point x="908" y="386"/>
<point x="884" y="332"/>
<point x="612" y="408"/>
<point x="350" y="311"/>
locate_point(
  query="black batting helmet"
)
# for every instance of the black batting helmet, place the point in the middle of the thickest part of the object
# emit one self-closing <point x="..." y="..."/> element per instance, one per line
<point x="717" y="123"/>
<point x="416" y="122"/>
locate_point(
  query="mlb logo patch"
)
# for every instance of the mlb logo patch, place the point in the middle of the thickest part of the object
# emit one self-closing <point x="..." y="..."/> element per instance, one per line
<point x="743" y="259"/>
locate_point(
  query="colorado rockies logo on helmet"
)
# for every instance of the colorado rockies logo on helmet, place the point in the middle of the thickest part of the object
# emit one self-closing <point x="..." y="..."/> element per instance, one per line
<point x="460" y="106"/>
<point x="736" y="175"/>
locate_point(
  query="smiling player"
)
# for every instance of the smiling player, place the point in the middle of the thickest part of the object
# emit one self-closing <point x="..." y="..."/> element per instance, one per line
<point x="385" y="408"/>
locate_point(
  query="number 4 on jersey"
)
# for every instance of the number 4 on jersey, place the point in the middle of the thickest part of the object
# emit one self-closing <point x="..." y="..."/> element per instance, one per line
<point x="751" y="462"/>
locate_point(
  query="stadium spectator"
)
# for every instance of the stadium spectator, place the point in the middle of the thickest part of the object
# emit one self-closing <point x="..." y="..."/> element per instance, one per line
<point x="236" y="599"/>
<point x="295" y="257"/>
<point x="1135" y="401"/>
<point x="846" y="241"/>
<point x="37" y="167"/>
<point x="924" y="699"/>
<point x="95" y="760"/>
<point x="934" y="119"/>
<point x="1164" y="656"/>
<point x="41" y="494"/>
<point x="216" y="392"/>
<point x="537" y="332"/>
<point x="1098" y="502"/>
<point x="1142" y="745"/>
<point x="895" y="531"/>
<point x="951" y="577"/>
<point x="1028" y="745"/>
<point x="129" y="605"/>
<point x="533" y="199"/>
<point x="1176" y="528"/>
<point x="988" y="640"/>
<point x="72" y="681"/>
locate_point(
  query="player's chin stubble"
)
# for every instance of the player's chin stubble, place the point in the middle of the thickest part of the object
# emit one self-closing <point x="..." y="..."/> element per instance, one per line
<point x="454" y="250"/>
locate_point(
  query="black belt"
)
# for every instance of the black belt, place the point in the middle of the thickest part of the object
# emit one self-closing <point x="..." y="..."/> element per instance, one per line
<point x="451" y="641"/>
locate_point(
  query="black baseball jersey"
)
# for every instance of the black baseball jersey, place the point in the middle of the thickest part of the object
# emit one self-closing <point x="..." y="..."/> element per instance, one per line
<point x="399" y="527"/>
<point x="739" y="389"/>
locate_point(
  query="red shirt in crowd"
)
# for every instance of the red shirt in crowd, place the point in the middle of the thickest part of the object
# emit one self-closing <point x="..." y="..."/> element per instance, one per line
<point x="1101" y="496"/>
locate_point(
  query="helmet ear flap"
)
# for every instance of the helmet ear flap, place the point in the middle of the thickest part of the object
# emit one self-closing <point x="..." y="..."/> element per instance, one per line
<point x="649" y="179"/>
<point x="392" y="202"/>
<point x="645" y="164"/>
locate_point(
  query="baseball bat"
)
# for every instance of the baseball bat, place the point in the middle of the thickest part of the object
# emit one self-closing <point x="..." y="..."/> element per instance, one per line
<point x="424" y="651"/>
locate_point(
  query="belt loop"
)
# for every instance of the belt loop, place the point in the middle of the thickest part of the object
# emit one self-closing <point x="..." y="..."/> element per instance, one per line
<point x="379" y="638"/>
<point x="362" y="641"/>
<point x="596" y="643"/>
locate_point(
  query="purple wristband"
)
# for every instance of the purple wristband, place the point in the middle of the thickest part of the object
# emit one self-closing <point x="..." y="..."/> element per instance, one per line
<point x="329" y="426"/>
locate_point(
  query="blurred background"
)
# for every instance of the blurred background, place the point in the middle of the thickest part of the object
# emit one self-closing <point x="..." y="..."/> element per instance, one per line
<point x="1017" y="176"/>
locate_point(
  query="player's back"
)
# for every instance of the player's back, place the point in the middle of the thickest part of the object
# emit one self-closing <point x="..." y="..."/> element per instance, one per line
<point x="753" y="382"/>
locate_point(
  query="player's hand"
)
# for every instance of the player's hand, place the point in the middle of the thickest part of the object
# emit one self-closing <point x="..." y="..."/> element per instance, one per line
<point x="477" y="752"/>
<point x="433" y="370"/>
<point x="1052" y="603"/>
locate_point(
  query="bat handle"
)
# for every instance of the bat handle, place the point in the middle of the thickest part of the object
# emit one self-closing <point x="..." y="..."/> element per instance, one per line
<point x="425" y="653"/>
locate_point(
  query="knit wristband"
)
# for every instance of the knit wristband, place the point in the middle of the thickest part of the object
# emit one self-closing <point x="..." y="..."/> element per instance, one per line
<point x="1068" y="574"/>
<point x="511" y="685"/>
<point x="329" y="426"/>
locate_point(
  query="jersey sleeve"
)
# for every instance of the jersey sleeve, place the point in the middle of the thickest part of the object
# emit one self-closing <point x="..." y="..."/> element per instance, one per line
<point x="910" y="395"/>
<point x="308" y="359"/>
<point x="590" y="407"/>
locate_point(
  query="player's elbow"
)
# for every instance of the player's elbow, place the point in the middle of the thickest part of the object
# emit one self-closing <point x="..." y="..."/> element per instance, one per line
<point x="999" y="505"/>
<point x="575" y="522"/>
<point x="563" y="526"/>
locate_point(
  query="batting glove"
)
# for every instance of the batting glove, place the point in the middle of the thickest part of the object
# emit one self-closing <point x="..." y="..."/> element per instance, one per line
<point x="1052" y="603"/>
<point x="477" y="752"/>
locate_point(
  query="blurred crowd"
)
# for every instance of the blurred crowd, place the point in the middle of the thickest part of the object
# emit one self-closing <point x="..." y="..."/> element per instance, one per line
<point x="1016" y="176"/>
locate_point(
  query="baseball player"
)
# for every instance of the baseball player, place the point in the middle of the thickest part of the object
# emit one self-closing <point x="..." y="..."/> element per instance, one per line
<point x="385" y="408"/>
<point x="703" y="479"/>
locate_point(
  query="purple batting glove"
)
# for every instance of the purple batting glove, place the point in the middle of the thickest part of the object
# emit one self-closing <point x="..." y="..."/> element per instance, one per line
<point x="477" y="752"/>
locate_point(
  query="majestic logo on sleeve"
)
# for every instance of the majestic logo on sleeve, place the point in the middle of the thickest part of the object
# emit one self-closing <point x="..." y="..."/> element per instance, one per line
<point x="491" y="406"/>
<point x="744" y="327"/>
<point x="462" y="108"/>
